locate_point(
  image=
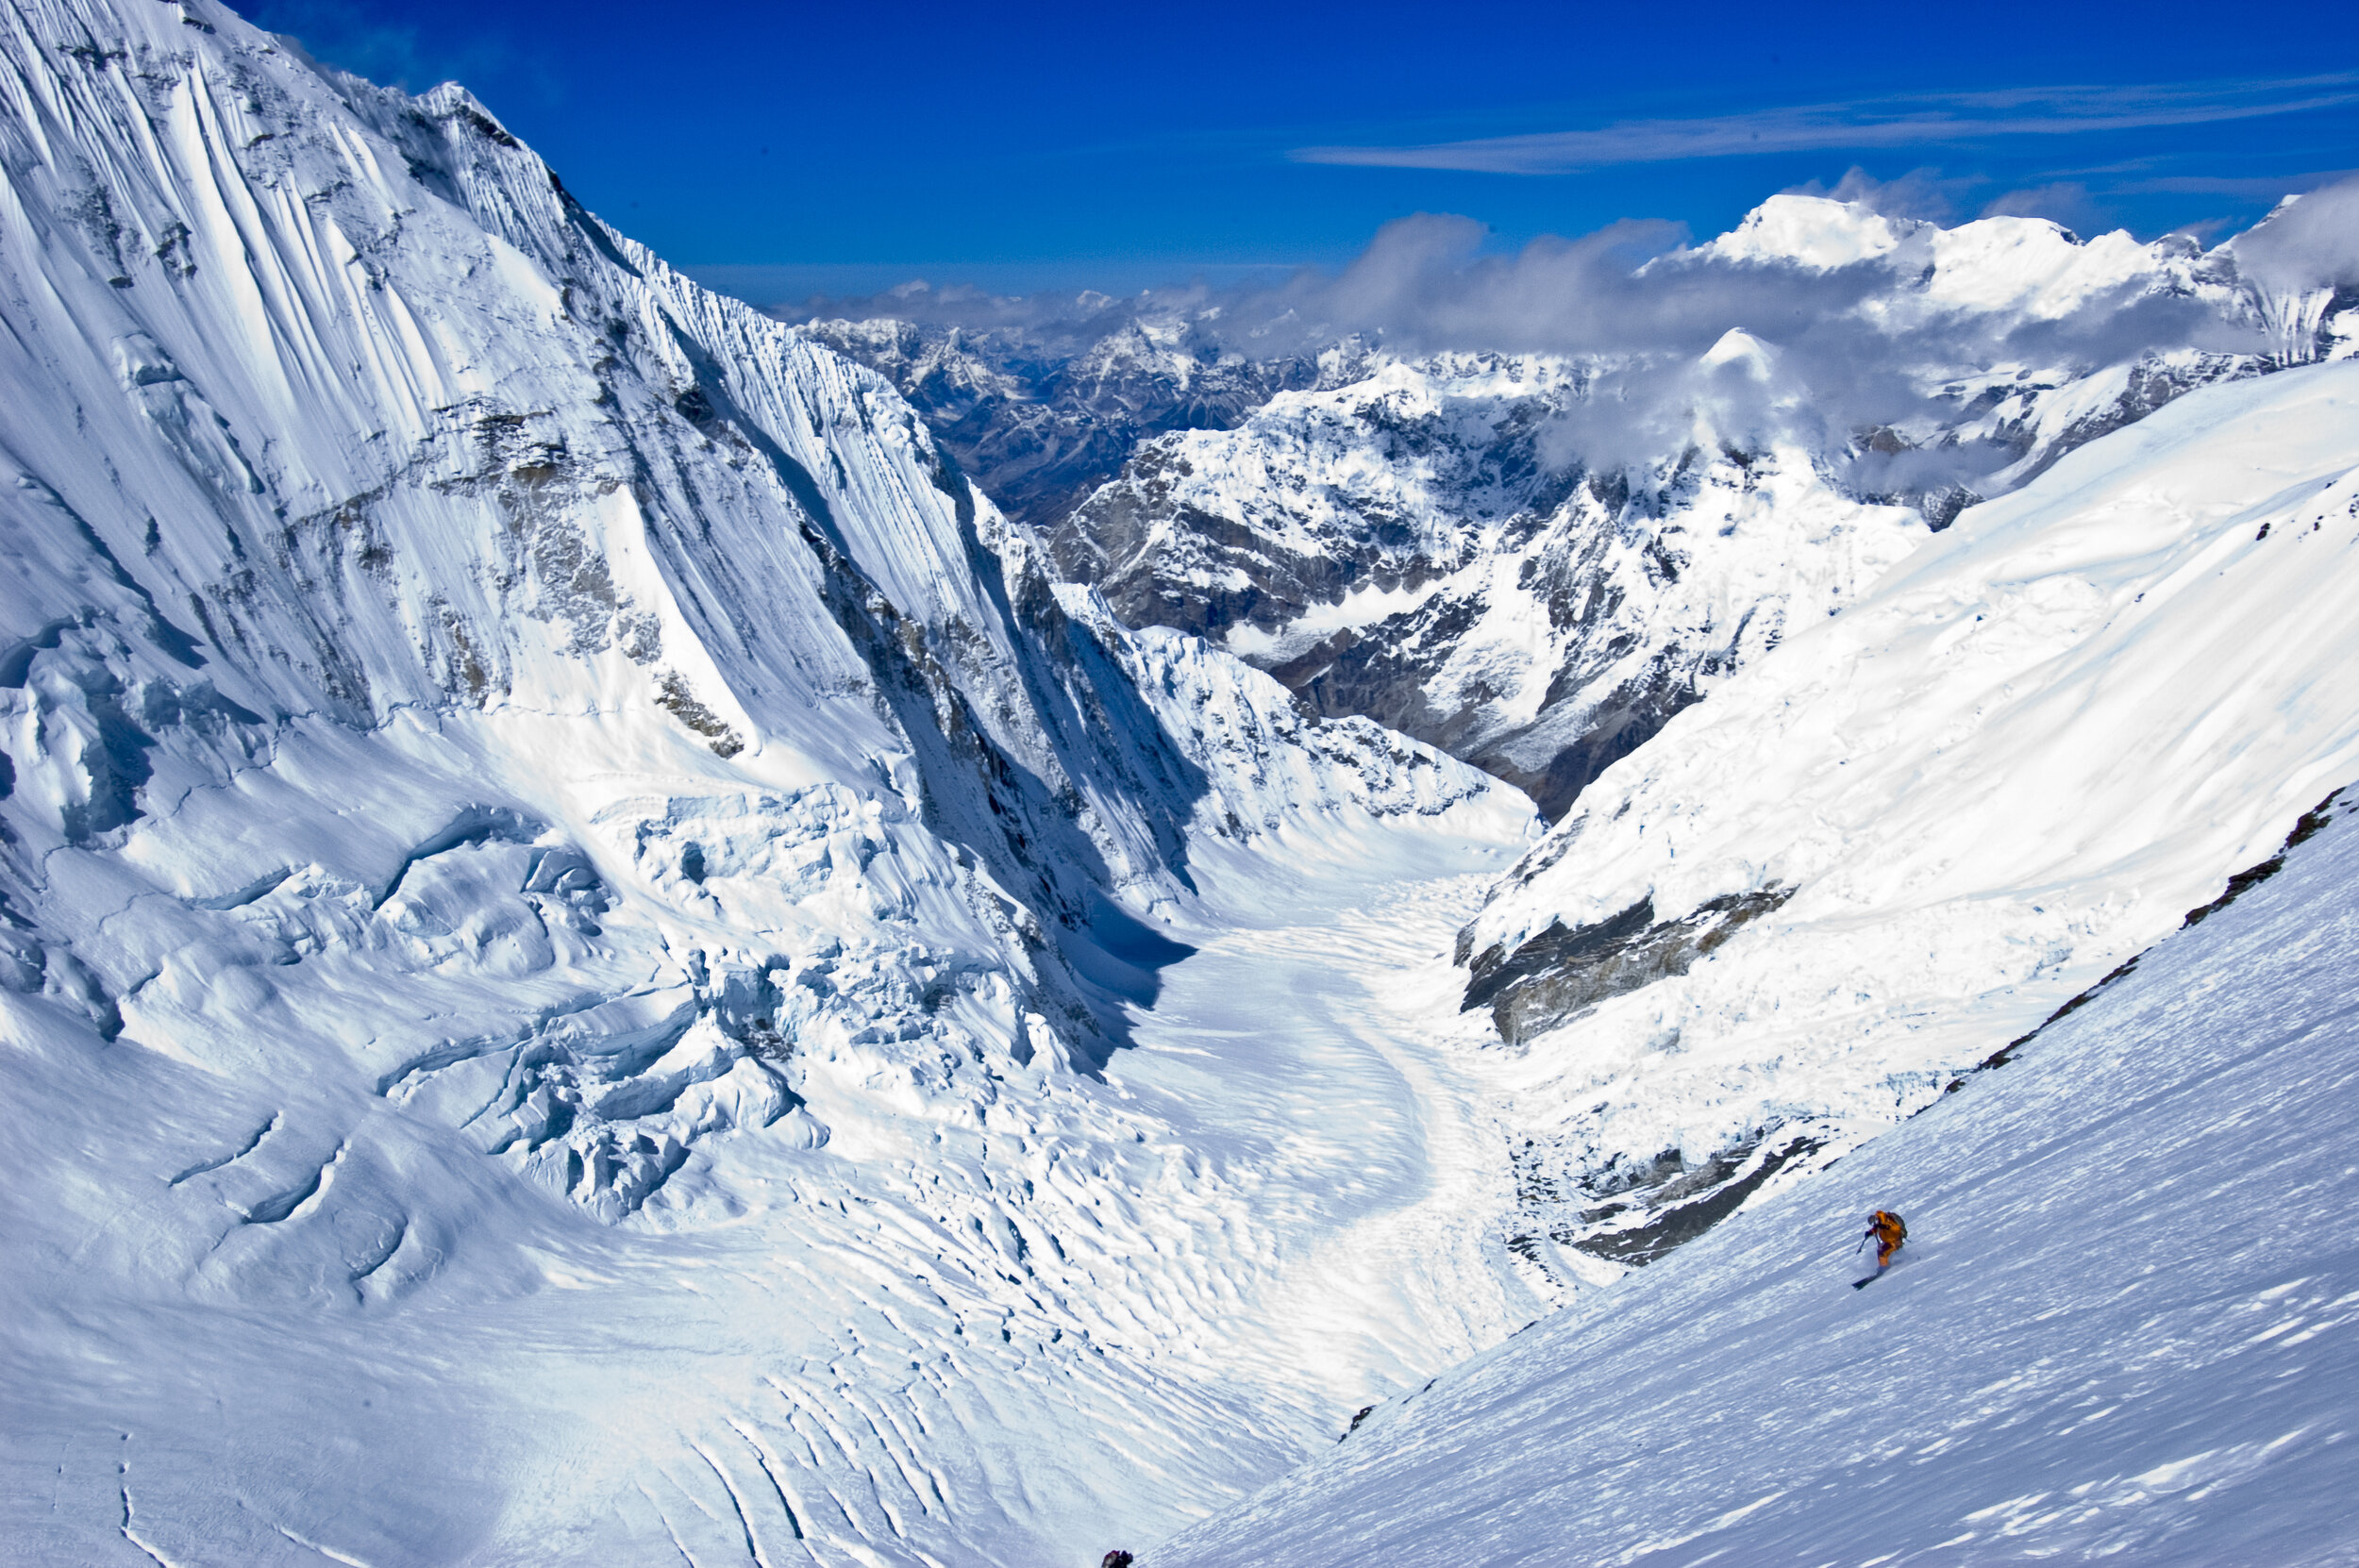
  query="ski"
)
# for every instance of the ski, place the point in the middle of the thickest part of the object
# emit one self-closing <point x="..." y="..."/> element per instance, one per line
<point x="1863" y="1284"/>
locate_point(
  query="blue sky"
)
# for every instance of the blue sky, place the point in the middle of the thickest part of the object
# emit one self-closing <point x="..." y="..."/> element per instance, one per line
<point x="841" y="148"/>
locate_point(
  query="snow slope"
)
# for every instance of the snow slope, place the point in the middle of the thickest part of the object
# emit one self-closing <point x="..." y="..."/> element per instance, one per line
<point x="1916" y="828"/>
<point x="2126" y="1326"/>
<point x="571" y="890"/>
<point x="940" y="1339"/>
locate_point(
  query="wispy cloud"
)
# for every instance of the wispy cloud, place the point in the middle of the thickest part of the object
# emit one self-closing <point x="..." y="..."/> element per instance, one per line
<point x="2255" y="188"/>
<point x="1864" y="124"/>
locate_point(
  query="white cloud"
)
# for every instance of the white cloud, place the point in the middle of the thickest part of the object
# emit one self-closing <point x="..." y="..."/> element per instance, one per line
<point x="1863" y="124"/>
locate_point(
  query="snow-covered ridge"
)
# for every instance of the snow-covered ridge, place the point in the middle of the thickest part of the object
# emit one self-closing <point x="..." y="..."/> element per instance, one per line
<point x="1537" y="622"/>
<point x="551" y="840"/>
<point x="1041" y="412"/>
<point x="1907" y="835"/>
<point x="392" y="429"/>
<point x="2027" y="266"/>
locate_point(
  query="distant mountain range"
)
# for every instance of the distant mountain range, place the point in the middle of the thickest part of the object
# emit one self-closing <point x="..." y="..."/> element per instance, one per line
<point x="1532" y="560"/>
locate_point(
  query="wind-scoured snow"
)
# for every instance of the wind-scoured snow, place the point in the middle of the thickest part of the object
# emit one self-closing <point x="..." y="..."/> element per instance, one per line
<point x="2125" y="1327"/>
<point x="1912" y="831"/>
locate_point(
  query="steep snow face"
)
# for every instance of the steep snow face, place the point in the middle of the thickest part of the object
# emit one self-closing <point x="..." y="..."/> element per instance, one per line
<point x="332" y="414"/>
<point x="2118" y="1329"/>
<point x="570" y="888"/>
<point x="1534" y="561"/>
<point x="1803" y="911"/>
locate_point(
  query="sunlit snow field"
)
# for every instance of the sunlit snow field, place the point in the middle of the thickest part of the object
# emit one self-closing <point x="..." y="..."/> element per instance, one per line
<point x="1306" y="1236"/>
<point x="600" y="964"/>
<point x="2125" y="1327"/>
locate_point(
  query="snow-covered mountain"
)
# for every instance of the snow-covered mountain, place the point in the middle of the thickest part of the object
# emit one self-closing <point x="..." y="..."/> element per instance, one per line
<point x="1534" y="561"/>
<point x="602" y="960"/>
<point x="575" y="897"/>
<point x="1042" y="407"/>
<point x="1404" y="549"/>
<point x="2122" y="1328"/>
<point x="1915" y="829"/>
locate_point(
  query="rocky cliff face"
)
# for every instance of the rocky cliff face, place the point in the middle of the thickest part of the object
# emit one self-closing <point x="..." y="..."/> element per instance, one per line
<point x="1408" y="548"/>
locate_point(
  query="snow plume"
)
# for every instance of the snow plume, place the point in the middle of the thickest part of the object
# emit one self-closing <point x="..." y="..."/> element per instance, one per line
<point x="1920" y="193"/>
<point x="2309" y="243"/>
<point x="2302" y="266"/>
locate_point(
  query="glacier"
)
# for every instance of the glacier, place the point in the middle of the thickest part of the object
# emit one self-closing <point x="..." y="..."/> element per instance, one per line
<point x="580" y="909"/>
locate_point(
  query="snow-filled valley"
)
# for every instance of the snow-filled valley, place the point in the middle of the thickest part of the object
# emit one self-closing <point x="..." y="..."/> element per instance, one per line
<point x="601" y="960"/>
<point x="2125" y="1325"/>
<point x="1080" y="1317"/>
<point x="572" y="890"/>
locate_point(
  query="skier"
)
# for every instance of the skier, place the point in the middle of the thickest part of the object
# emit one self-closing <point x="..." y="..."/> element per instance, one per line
<point x="1889" y="1232"/>
<point x="1116" y="1560"/>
